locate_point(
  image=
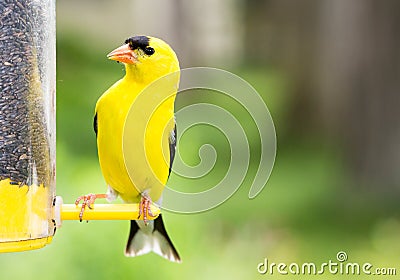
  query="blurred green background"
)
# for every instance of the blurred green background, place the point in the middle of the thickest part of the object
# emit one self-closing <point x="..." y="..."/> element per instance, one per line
<point x="328" y="72"/>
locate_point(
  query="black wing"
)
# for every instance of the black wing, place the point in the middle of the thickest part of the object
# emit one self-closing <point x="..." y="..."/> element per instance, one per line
<point x="95" y="124"/>
<point x="172" y="148"/>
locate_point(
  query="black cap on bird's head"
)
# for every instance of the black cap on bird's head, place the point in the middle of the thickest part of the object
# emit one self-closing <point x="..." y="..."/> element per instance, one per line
<point x="138" y="41"/>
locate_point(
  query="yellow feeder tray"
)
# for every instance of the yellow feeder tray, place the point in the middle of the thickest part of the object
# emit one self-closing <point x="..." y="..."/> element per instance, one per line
<point x="25" y="226"/>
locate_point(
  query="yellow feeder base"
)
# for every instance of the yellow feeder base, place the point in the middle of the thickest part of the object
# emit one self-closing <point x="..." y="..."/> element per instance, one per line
<point x="24" y="245"/>
<point x="25" y="217"/>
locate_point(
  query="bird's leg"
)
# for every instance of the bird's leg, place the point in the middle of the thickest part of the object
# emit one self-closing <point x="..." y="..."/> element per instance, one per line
<point x="144" y="208"/>
<point x="88" y="200"/>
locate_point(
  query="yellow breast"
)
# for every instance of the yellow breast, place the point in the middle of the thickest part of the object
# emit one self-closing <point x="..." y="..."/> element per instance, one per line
<point x="134" y="126"/>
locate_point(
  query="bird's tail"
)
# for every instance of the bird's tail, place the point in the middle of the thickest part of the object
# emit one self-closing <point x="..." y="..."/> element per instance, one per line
<point x="152" y="237"/>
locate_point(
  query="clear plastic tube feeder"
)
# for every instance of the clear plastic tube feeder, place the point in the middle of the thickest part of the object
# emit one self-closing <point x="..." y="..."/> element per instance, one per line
<point x="27" y="123"/>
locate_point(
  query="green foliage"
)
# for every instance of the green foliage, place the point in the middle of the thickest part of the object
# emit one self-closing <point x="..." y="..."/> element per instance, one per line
<point x="303" y="215"/>
<point x="83" y="74"/>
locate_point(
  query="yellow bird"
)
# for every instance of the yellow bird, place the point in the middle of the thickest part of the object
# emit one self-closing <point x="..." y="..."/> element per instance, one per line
<point x="136" y="166"/>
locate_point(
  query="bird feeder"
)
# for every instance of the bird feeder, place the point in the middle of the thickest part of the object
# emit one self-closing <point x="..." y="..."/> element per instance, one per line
<point x="27" y="123"/>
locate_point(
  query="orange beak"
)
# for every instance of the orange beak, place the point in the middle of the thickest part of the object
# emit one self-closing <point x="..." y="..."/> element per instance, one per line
<point x="123" y="54"/>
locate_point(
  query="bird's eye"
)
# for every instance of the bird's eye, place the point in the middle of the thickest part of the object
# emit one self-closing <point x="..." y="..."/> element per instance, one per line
<point x="149" y="50"/>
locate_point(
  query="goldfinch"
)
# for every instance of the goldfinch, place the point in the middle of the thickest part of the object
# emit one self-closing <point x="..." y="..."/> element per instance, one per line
<point x="146" y="59"/>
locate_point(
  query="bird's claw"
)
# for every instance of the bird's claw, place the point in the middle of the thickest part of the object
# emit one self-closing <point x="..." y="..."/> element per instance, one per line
<point x="144" y="209"/>
<point x="88" y="200"/>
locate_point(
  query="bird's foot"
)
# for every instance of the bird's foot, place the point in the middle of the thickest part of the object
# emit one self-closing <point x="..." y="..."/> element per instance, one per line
<point x="88" y="200"/>
<point x="144" y="208"/>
